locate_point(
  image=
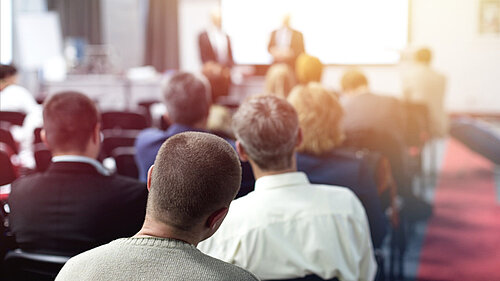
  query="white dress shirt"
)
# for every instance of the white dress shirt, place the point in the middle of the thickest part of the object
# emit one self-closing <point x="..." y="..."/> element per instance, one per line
<point x="82" y="159"/>
<point x="219" y="42"/>
<point x="17" y="98"/>
<point x="291" y="228"/>
<point x="283" y="38"/>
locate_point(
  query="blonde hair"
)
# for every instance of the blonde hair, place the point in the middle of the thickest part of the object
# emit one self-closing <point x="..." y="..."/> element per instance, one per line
<point x="423" y="55"/>
<point x="279" y="80"/>
<point x="352" y="79"/>
<point x="320" y="114"/>
<point x="308" y="69"/>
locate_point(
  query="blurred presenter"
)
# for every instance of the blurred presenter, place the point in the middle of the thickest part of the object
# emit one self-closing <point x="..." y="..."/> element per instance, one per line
<point x="216" y="56"/>
<point x="286" y="43"/>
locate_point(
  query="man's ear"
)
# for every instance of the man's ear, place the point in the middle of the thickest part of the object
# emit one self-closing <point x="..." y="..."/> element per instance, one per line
<point x="96" y="137"/>
<point x="299" y="138"/>
<point x="216" y="218"/>
<point x="241" y="152"/>
<point x="43" y="136"/>
<point x="150" y="172"/>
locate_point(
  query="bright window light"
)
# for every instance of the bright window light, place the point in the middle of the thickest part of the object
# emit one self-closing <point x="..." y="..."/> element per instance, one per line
<point x="336" y="31"/>
<point x="5" y="31"/>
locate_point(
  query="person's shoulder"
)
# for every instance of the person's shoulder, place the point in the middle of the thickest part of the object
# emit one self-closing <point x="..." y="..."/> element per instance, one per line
<point x="18" y="90"/>
<point x="125" y="185"/>
<point x="29" y="181"/>
<point x="85" y="261"/>
<point x="342" y="196"/>
<point x="230" y="271"/>
<point x="148" y="136"/>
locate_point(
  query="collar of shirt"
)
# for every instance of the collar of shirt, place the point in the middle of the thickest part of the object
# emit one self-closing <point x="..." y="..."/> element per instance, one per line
<point x="82" y="159"/>
<point x="281" y="180"/>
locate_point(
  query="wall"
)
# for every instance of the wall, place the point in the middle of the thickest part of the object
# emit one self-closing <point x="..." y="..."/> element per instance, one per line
<point x="124" y="30"/>
<point x="449" y="27"/>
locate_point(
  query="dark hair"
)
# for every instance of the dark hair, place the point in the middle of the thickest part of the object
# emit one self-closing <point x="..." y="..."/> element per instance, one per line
<point x="7" y="71"/>
<point x="267" y="128"/>
<point x="194" y="175"/>
<point x="187" y="98"/>
<point x="69" y="120"/>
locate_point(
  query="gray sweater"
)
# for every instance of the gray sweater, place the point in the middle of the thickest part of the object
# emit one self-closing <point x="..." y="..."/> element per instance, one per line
<point x="149" y="259"/>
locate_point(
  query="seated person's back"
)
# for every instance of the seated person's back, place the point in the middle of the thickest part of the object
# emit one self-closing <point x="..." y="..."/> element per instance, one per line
<point x="187" y="202"/>
<point x="287" y="227"/>
<point x="364" y="110"/>
<point x="325" y="162"/>
<point x="76" y="204"/>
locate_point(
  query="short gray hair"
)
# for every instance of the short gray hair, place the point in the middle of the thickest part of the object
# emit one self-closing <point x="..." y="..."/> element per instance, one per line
<point x="187" y="98"/>
<point x="267" y="128"/>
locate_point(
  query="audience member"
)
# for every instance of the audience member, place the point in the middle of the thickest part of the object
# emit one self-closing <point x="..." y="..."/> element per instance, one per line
<point x="365" y="110"/>
<point x="286" y="43"/>
<point x="16" y="98"/>
<point x="287" y="227"/>
<point x="308" y="69"/>
<point x="12" y="96"/>
<point x="76" y="204"/>
<point x="194" y="179"/>
<point x="422" y="84"/>
<point x="187" y="98"/>
<point x="280" y="80"/>
<point x="324" y="161"/>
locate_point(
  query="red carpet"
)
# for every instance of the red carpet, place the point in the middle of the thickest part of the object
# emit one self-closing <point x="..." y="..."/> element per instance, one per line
<point x="463" y="236"/>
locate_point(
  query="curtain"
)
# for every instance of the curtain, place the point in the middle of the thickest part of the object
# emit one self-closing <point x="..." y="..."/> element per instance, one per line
<point x="162" y="49"/>
<point x="79" y="18"/>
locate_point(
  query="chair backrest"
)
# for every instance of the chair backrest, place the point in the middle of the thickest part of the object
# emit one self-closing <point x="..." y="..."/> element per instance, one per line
<point x="13" y="117"/>
<point x="7" y="170"/>
<point x="418" y="129"/>
<point x="22" y="266"/>
<point x="43" y="157"/>
<point x="125" y="162"/>
<point x="6" y="136"/>
<point x="123" y="120"/>
<point x="37" y="138"/>
<point x="117" y="138"/>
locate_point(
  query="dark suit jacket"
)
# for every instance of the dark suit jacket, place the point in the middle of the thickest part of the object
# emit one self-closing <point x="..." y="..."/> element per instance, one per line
<point x="207" y="52"/>
<point x="296" y="44"/>
<point x="72" y="208"/>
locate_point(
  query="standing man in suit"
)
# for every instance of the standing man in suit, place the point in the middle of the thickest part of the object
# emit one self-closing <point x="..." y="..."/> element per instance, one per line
<point x="286" y="44"/>
<point x="216" y="56"/>
<point x="76" y="204"/>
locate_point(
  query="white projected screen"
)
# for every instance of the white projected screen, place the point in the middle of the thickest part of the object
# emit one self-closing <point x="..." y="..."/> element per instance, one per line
<point x="336" y="31"/>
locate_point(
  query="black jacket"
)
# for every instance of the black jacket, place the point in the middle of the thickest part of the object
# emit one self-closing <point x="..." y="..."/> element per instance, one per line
<point x="72" y="208"/>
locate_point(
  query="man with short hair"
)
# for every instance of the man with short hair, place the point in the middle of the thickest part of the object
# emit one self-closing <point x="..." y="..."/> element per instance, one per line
<point x="76" y="204"/>
<point x="288" y="227"/>
<point x="192" y="183"/>
<point x="188" y="101"/>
